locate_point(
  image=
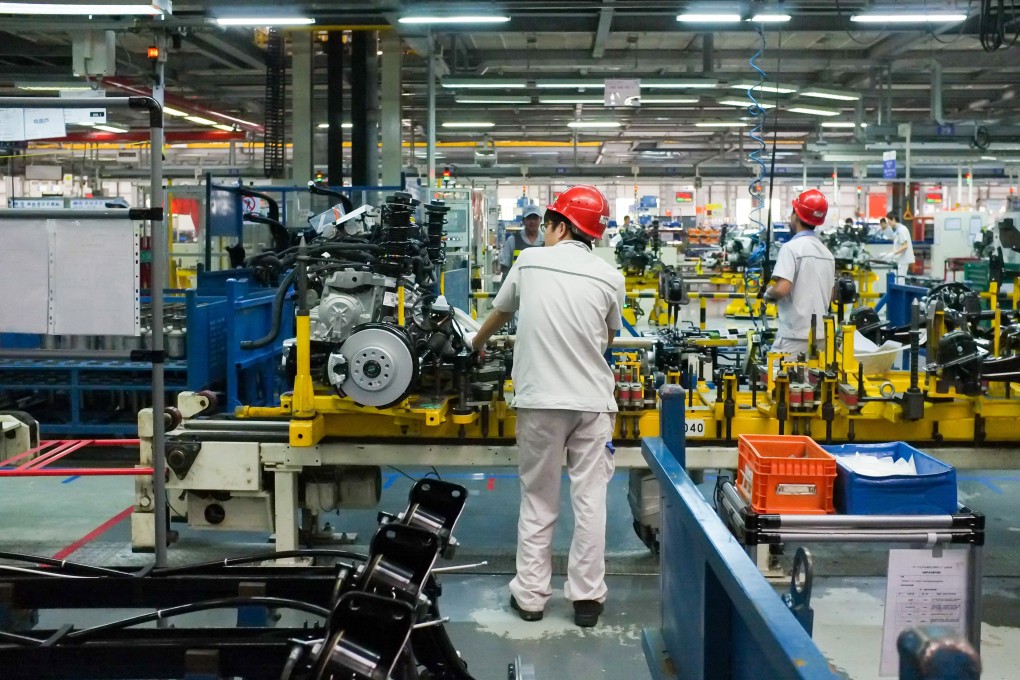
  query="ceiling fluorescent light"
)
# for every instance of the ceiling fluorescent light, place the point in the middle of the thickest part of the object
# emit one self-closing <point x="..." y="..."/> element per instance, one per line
<point x="698" y="18"/>
<point x="570" y="83"/>
<point x="989" y="158"/>
<point x="343" y="126"/>
<point x="570" y="99"/>
<point x="770" y="87"/>
<point x="677" y="83"/>
<point x="770" y="18"/>
<point x="225" y="128"/>
<point x="483" y="83"/>
<point x="468" y="124"/>
<point x="491" y="99"/>
<point x="744" y="103"/>
<point x="79" y="9"/>
<point x="841" y="124"/>
<point x="52" y="87"/>
<point x="109" y="128"/>
<point x="907" y="18"/>
<point x="814" y="110"/>
<point x="830" y="94"/>
<point x="720" y="123"/>
<point x="175" y="112"/>
<point x="264" y="21"/>
<point x="592" y="124"/>
<point x="200" y="120"/>
<point x="455" y="19"/>
<point x="670" y="100"/>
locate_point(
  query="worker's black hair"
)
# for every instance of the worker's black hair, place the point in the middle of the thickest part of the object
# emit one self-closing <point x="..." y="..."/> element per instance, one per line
<point x="892" y="216"/>
<point x="553" y="217"/>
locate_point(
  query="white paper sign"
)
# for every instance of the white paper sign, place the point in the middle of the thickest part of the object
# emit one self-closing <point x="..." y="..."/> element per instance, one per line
<point x="84" y="116"/>
<point x="622" y="92"/>
<point x="12" y="125"/>
<point x="925" y="587"/>
<point x="44" y="124"/>
<point x="24" y="276"/>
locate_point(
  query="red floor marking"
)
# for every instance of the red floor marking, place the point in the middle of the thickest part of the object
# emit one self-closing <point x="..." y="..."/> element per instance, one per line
<point x="95" y="533"/>
<point x="491" y="484"/>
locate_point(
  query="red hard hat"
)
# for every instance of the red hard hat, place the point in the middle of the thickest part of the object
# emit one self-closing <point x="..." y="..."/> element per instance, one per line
<point x="585" y="207"/>
<point x="811" y="207"/>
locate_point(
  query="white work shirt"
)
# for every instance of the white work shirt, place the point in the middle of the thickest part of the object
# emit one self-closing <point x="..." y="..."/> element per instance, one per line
<point x="568" y="299"/>
<point x="901" y="236"/>
<point x="805" y="262"/>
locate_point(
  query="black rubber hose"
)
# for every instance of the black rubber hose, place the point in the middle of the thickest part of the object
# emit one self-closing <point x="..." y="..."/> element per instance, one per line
<point x="281" y="236"/>
<point x="261" y="557"/>
<point x="274" y="331"/>
<point x="274" y="207"/>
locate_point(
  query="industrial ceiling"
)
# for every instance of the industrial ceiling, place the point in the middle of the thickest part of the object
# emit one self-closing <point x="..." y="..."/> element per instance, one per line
<point x="933" y="74"/>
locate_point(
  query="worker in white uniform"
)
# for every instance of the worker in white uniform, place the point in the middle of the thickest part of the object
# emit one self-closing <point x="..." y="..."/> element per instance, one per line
<point x="803" y="277"/>
<point x="902" y="252"/>
<point x="517" y="242"/>
<point x="570" y="302"/>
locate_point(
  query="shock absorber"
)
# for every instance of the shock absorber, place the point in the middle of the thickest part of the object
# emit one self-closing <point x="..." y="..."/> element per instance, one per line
<point x="435" y="220"/>
<point x="398" y="234"/>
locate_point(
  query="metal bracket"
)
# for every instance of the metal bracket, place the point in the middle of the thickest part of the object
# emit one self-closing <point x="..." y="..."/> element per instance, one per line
<point x="180" y="456"/>
<point x="798" y="600"/>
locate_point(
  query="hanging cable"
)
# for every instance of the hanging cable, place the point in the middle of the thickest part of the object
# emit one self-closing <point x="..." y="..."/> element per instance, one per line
<point x="752" y="275"/>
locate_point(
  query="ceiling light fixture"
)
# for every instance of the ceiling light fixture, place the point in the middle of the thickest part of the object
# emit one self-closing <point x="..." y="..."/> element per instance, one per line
<point x="677" y="83"/>
<point x="264" y="21"/>
<point x="455" y="19"/>
<point x="468" y="124"/>
<point x="720" y="123"/>
<point x="570" y="99"/>
<point x="772" y="88"/>
<point x="175" y="112"/>
<point x="109" y="128"/>
<point x="79" y="9"/>
<point x="814" y="110"/>
<point x="670" y="100"/>
<point x="491" y="99"/>
<point x="570" y="83"/>
<point x="52" y="87"/>
<point x="593" y="124"/>
<point x="697" y="18"/>
<point x="484" y="83"/>
<point x="200" y="120"/>
<point x="225" y="128"/>
<point x="841" y="124"/>
<point x="989" y="158"/>
<point x="744" y="103"/>
<point x="343" y="126"/>
<point x="818" y="93"/>
<point x="770" y="18"/>
<point x="907" y="18"/>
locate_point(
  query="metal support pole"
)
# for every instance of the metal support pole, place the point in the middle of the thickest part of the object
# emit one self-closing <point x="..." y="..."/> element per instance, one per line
<point x="430" y="147"/>
<point x="301" y="122"/>
<point x="360" y="136"/>
<point x="707" y="53"/>
<point x="392" y="148"/>
<point x="936" y="91"/>
<point x="335" y="108"/>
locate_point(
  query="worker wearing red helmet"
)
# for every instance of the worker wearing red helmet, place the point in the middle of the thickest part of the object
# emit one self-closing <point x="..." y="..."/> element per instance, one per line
<point x="803" y="277"/>
<point x="569" y="302"/>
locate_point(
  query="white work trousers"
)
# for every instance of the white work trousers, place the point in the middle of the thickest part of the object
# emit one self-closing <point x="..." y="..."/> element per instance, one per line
<point x="902" y="269"/>
<point x="542" y="437"/>
<point x="790" y="346"/>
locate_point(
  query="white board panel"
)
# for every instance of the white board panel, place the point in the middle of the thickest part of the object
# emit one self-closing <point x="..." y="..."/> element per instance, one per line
<point x="24" y="276"/>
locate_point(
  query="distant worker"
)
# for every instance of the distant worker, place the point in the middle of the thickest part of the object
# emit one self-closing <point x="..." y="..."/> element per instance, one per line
<point x="803" y="277"/>
<point x="902" y="252"/>
<point x="519" y="241"/>
<point x="570" y="302"/>
<point x="849" y="222"/>
<point x="626" y="222"/>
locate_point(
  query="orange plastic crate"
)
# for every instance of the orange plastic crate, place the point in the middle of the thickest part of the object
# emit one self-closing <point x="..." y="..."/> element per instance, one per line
<point x="785" y="474"/>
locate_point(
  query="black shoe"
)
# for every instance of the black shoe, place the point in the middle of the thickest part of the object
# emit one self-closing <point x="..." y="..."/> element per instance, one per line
<point x="586" y="612"/>
<point x="524" y="613"/>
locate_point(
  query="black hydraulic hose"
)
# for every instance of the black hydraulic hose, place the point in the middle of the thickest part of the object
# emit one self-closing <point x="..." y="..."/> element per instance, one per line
<point x="63" y="564"/>
<point x="262" y="557"/>
<point x="281" y="237"/>
<point x="274" y="330"/>
<point x="222" y="603"/>
<point x="315" y="189"/>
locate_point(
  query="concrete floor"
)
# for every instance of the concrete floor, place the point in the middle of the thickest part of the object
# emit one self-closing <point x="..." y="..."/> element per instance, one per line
<point x="49" y="516"/>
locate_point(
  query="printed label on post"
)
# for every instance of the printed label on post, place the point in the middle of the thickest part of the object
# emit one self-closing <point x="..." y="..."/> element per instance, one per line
<point x="694" y="428"/>
<point x="796" y="489"/>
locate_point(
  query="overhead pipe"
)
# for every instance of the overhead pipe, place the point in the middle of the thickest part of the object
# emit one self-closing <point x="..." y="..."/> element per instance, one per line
<point x="181" y="103"/>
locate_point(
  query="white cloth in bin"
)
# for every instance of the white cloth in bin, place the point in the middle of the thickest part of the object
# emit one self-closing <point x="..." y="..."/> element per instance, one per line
<point x="873" y="466"/>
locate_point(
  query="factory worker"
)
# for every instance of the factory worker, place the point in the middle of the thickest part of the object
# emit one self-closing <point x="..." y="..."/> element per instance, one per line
<point x="570" y="301"/>
<point x="519" y="241"/>
<point x="803" y="277"/>
<point x="902" y="252"/>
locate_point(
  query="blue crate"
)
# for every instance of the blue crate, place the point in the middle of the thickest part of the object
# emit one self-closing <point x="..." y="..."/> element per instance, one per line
<point x="931" y="492"/>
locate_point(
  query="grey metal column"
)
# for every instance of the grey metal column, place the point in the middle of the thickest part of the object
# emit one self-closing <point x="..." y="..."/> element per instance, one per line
<point x="359" y="108"/>
<point x="335" y="108"/>
<point x="372" y="114"/>
<point x="430" y="146"/>
<point x="392" y="144"/>
<point x="936" y="91"/>
<point x="302" y="128"/>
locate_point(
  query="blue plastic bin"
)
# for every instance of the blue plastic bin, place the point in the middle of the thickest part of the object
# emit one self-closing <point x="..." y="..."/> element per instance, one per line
<point x="931" y="492"/>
